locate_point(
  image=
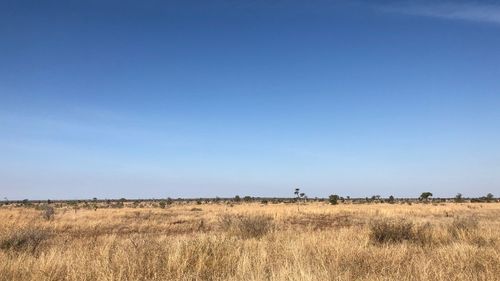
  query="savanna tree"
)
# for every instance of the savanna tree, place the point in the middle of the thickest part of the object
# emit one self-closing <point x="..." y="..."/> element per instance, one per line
<point x="489" y="197"/>
<point x="425" y="196"/>
<point x="458" y="198"/>
<point x="333" y="199"/>
<point x="299" y="195"/>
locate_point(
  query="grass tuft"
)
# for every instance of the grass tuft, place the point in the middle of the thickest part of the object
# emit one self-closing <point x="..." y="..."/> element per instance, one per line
<point x="26" y="239"/>
<point x="246" y="226"/>
<point x="396" y="231"/>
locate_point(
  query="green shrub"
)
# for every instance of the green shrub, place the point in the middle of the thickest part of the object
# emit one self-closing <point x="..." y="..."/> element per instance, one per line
<point x="333" y="199"/>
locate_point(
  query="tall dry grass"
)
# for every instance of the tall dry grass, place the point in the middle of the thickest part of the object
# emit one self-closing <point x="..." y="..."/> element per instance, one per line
<point x="254" y="242"/>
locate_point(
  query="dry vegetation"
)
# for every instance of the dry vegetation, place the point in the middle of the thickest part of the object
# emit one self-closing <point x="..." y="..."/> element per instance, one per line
<point x="253" y="242"/>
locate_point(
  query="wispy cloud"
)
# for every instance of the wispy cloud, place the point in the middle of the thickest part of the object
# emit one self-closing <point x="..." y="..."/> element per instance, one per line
<point x="469" y="11"/>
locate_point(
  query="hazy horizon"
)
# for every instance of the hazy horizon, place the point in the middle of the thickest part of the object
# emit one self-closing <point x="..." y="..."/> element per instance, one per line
<point x="114" y="99"/>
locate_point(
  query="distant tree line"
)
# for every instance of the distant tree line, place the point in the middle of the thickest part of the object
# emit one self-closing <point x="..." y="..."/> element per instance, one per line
<point x="299" y="197"/>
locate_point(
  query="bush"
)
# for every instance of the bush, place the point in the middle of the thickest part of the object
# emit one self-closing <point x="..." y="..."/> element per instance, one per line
<point x="333" y="199"/>
<point x="27" y="239"/>
<point x="246" y="227"/>
<point x="117" y="205"/>
<point x="170" y="201"/>
<point x="254" y="226"/>
<point x="385" y="231"/>
<point x="48" y="212"/>
<point x="226" y="222"/>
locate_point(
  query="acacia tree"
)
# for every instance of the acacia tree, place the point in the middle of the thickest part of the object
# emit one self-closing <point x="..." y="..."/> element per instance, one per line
<point x="299" y="195"/>
<point x="425" y="196"/>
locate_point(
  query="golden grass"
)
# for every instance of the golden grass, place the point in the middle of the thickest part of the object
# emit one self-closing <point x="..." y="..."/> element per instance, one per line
<point x="220" y="242"/>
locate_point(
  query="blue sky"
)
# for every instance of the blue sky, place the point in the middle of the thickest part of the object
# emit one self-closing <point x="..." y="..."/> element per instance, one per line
<point x="155" y="99"/>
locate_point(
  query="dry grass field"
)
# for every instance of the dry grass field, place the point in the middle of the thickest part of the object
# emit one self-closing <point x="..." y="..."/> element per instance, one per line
<point x="250" y="241"/>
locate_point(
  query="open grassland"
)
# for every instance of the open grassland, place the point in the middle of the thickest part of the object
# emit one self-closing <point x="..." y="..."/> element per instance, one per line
<point x="250" y="241"/>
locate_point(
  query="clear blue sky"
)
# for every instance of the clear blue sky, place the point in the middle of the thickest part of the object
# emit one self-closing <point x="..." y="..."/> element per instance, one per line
<point x="148" y="99"/>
